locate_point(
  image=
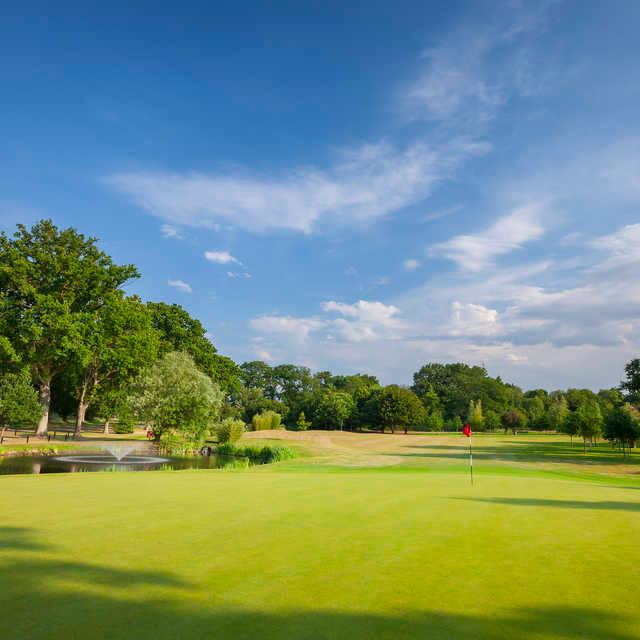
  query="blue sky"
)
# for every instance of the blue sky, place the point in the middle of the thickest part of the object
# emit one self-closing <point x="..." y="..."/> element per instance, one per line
<point x="352" y="186"/>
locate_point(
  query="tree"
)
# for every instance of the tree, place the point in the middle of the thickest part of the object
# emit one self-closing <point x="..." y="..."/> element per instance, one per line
<point x="118" y="342"/>
<point x="266" y="420"/>
<point x="175" y="396"/>
<point x="333" y="409"/>
<point x="512" y="420"/>
<point x="631" y="383"/>
<point x="51" y="281"/>
<point x="571" y="425"/>
<point x="229" y="430"/>
<point x="399" y="407"/>
<point x="258" y="375"/>
<point x="180" y="332"/>
<point x="250" y="401"/>
<point x="622" y="425"/>
<point x="302" y="424"/>
<point x="434" y="421"/>
<point x="557" y="414"/>
<point x="474" y="416"/>
<point x="589" y="421"/>
<point x="19" y="402"/>
<point x="534" y="406"/>
<point x="491" y="421"/>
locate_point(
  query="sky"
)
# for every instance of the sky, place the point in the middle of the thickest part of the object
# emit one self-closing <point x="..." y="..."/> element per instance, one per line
<point x="360" y="187"/>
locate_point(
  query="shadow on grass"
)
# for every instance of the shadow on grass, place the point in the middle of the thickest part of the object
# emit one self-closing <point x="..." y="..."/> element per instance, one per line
<point x="600" y="505"/>
<point x="52" y="599"/>
<point x="524" y="452"/>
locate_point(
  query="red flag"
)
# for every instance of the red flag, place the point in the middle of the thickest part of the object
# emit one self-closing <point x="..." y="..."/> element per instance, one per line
<point x="467" y="430"/>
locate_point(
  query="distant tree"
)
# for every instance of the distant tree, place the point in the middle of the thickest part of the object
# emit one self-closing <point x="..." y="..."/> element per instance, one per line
<point x="258" y="375"/>
<point x="250" y="400"/>
<point x="622" y="425"/>
<point x="175" y="396"/>
<point x="535" y="409"/>
<point x="434" y="421"/>
<point x="453" y="424"/>
<point x="399" y="407"/>
<point x="631" y="383"/>
<point x="491" y="421"/>
<point x="571" y="425"/>
<point x="474" y="415"/>
<point x="557" y="414"/>
<point x="19" y="402"/>
<point x="52" y="282"/>
<point x="302" y="424"/>
<point x="333" y="410"/>
<point x="512" y="420"/>
<point x="266" y="420"/>
<point x="229" y="430"/>
<point x="179" y="332"/>
<point x="589" y="421"/>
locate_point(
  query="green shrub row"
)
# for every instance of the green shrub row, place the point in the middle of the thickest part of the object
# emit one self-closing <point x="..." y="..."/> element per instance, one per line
<point x="260" y="455"/>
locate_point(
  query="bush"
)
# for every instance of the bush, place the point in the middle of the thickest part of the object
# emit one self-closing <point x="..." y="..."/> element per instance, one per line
<point x="266" y="420"/>
<point x="302" y="424"/>
<point x="260" y="455"/>
<point x="177" y="444"/>
<point x="229" y="430"/>
<point x="124" y="425"/>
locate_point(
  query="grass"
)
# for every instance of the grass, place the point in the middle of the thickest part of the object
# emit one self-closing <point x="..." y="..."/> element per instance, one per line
<point x="355" y="540"/>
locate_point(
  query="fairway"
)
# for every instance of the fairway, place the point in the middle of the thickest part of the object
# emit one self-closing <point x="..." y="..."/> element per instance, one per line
<point x="289" y="552"/>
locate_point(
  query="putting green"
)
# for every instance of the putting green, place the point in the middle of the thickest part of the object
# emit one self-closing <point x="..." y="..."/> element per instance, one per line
<point x="299" y="554"/>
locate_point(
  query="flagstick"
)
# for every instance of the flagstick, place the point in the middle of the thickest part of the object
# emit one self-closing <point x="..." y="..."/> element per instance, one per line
<point x="471" y="460"/>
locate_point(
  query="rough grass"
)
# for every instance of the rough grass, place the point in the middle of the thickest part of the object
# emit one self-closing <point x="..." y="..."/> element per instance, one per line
<point x="326" y="550"/>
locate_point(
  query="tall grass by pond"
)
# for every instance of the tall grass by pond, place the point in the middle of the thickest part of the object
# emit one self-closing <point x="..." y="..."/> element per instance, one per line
<point x="259" y="455"/>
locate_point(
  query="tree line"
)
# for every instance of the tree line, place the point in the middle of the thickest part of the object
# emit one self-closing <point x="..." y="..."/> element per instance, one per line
<point x="73" y="342"/>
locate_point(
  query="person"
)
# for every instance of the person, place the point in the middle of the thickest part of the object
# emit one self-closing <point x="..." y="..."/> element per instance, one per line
<point x="149" y="433"/>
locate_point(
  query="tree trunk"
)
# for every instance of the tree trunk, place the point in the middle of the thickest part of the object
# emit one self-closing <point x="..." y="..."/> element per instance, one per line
<point x="4" y="428"/>
<point x="82" y="409"/>
<point x="44" y="395"/>
<point x="106" y="426"/>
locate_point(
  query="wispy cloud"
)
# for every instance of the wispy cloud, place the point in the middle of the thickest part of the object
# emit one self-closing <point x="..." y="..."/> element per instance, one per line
<point x="169" y="231"/>
<point x="461" y="77"/>
<point x="364" y="183"/>
<point x="221" y="257"/>
<point x="181" y="285"/>
<point x="411" y="264"/>
<point x="474" y="252"/>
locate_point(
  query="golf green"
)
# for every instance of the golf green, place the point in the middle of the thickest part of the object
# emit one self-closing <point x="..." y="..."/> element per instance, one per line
<point x="302" y="554"/>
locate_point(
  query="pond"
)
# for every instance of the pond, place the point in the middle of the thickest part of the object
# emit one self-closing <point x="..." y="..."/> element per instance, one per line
<point x="74" y="463"/>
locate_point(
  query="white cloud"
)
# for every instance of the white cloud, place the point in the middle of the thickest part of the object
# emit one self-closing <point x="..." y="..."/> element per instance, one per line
<point x="180" y="285"/>
<point x="623" y="247"/>
<point x="169" y="231"/>
<point x="474" y="252"/>
<point x="411" y="264"/>
<point x="297" y="329"/>
<point x="463" y="79"/>
<point x="238" y="274"/>
<point x="221" y="257"/>
<point x="365" y="183"/>
<point x="473" y="319"/>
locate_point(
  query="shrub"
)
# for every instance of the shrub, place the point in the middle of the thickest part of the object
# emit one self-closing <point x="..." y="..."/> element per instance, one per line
<point x="177" y="444"/>
<point x="302" y="424"/>
<point x="260" y="455"/>
<point x="266" y="420"/>
<point x="229" y="430"/>
<point x="124" y="425"/>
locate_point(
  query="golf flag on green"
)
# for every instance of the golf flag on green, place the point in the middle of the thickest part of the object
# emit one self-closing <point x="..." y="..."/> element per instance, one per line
<point x="466" y="430"/>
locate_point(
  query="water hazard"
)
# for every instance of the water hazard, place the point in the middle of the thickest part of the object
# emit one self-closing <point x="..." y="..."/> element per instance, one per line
<point x="85" y="462"/>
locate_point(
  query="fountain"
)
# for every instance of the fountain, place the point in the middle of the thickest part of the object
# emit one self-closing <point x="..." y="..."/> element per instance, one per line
<point x="118" y="455"/>
<point x="118" y="451"/>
